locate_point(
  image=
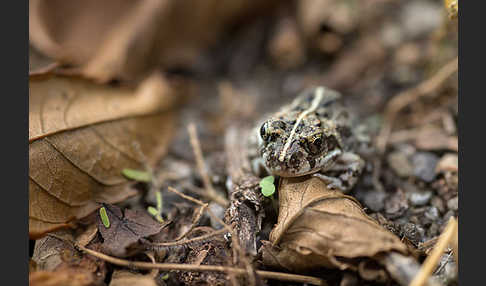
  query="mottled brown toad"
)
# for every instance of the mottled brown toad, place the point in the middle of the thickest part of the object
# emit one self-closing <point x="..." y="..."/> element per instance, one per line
<point x="312" y="135"/>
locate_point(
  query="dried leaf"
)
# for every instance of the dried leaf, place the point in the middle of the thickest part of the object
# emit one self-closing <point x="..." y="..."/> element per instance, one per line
<point x="47" y="252"/>
<point x="57" y="260"/>
<point x="132" y="36"/>
<point x="84" y="238"/>
<point x="64" y="29"/>
<point x="127" y="278"/>
<point x="82" y="135"/>
<point x="126" y="228"/>
<point x="60" y="278"/>
<point x="318" y="227"/>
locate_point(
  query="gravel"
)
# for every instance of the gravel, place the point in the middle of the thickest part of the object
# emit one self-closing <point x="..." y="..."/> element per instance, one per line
<point x="424" y="165"/>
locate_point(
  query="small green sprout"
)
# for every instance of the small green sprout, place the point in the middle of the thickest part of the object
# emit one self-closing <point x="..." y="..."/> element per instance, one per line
<point x="153" y="211"/>
<point x="137" y="175"/>
<point x="268" y="188"/>
<point x="157" y="212"/>
<point x="104" y="217"/>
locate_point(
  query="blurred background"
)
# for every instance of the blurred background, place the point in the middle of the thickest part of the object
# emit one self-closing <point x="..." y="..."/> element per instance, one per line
<point x="395" y="62"/>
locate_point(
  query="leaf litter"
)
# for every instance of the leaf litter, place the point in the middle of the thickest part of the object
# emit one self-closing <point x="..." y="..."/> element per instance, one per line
<point x="305" y="233"/>
<point x="76" y="157"/>
<point x="126" y="228"/>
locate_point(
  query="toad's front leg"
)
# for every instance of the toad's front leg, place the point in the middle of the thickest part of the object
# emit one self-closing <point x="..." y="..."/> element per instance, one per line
<point x="344" y="173"/>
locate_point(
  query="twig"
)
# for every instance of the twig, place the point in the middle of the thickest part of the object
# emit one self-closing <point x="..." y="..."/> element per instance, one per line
<point x="154" y="272"/>
<point x="443" y="264"/>
<point x="200" y="268"/>
<point x="201" y="238"/>
<point x="455" y="244"/>
<point x="431" y="261"/>
<point x="215" y="217"/>
<point x="194" y="223"/>
<point x="211" y="193"/>
<point x="236" y="246"/>
<point x="406" y="97"/>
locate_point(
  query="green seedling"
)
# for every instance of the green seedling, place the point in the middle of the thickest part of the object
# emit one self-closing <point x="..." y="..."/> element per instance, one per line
<point x="268" y="188"/>
<point x="157" y="212"/>
<point x="137" y="175"/>
<point x="104" y="217"/>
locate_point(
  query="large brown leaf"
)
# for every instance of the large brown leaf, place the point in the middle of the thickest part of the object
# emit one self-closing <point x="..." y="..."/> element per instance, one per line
<point x="81" y="135"/>
<point x="318" y="227"/>
<point x="133" y="36"/>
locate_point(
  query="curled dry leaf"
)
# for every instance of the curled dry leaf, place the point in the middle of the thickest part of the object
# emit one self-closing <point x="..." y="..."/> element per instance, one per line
<point x="318" y="227"/>
<point x="81" y="135"/>
<point x="132" y="36"/>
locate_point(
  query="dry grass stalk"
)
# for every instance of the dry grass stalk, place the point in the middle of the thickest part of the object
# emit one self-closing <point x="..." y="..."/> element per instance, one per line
<point x="447" y="237"/>
<point x="196" y="147"/>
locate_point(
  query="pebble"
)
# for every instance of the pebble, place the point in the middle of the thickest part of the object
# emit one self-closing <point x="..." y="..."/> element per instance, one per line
<point x="219" y="212"/>
<point x="424" y="165"/>
<point x="453" y="204"/>
<point x="433" y="230"/>
<point x="448" y="163"/>
<point x="399" y="162"/>
<point x="420" y="198"/>
<point x="450" y="272"/>
<point x="447" y="217"/>
<point x="420" y="18"/>
<point x="375" y="200"/>
<point x="432" y="213"/>
<point x="437" y="202"/>
<point x="396" y="205"/>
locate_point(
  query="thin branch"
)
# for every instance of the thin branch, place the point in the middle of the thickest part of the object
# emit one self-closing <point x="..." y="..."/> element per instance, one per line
<point x="431" y="261"/>
<point x="154" y="272"/>
<point x="236" y="246"/>
<point x="406" y="97"/>
<point x="201" y="268"/>
<point x="198" y="239"/>
<point x="194" y="223"/>
<point x="196" y="147"/>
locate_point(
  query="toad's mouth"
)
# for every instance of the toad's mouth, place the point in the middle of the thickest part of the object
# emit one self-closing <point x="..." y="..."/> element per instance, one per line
<point x="295" y="165"/>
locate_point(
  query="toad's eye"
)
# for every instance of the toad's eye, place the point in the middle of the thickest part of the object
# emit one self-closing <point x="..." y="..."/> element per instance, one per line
<point x="264" y="131"/>
<point x="271" y="130"/>
<point x="316" y="146"/>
